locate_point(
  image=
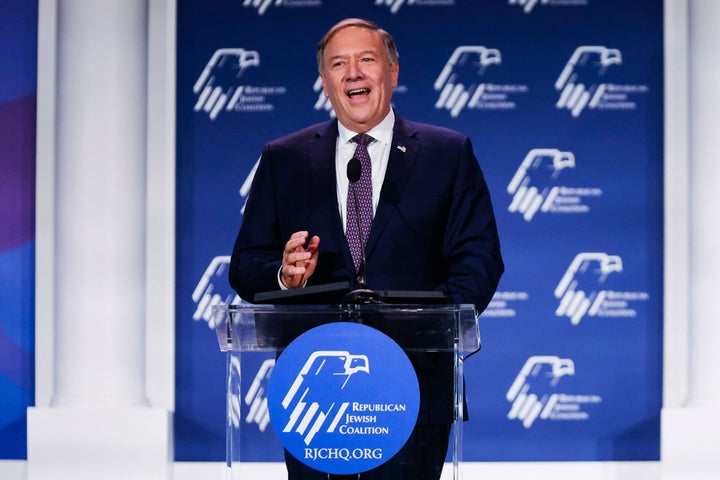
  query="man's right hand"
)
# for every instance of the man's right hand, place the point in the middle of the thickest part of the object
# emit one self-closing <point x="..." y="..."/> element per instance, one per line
<point x="298" y="263"/>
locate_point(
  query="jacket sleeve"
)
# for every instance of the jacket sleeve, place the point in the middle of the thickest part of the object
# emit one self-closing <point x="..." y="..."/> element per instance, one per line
<point x="257" y="253"/>
<point x="471" y="247"/>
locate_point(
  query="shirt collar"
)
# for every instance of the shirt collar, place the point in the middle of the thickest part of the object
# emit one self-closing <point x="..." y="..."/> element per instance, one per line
<point x="382" y="132"/>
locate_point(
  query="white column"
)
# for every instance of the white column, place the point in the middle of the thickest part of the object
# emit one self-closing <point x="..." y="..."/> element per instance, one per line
<point x="704" y="218"/>
<point x="99" y="423"/>
<point x="690" y="430"/>
<point x="100" y="201"/>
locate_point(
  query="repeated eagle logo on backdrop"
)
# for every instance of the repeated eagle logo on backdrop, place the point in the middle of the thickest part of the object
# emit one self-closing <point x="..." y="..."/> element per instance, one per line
<point x="537" y="187"/>
<point x="394" y="6"/>
<point x="469" y="81"/>
<point x="463" y="84"/>
<point x="534" y="186"/>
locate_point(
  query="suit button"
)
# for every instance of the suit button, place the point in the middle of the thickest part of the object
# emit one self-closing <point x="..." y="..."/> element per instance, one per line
<point x="361" y="280"/>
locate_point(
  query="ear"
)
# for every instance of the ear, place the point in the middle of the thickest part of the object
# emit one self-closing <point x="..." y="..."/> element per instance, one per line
<point x="322" y="78"/>
<point x="395" y="72"/>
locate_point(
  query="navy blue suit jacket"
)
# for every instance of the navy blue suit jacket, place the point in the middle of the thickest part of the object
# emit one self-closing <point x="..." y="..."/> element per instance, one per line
<point x="434" y="228"/>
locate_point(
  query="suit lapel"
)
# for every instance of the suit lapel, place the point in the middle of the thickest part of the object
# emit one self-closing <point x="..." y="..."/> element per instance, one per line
<point x="321" y="153"/>
<point x="403" y="153"/>
<point x="323" y="197"/>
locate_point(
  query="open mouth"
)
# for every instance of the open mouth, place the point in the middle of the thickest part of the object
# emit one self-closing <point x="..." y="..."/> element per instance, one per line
<point x="358" y="91"/>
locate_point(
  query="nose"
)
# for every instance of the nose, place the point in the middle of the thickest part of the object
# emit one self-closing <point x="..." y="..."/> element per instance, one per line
<point x="354" y="71"/>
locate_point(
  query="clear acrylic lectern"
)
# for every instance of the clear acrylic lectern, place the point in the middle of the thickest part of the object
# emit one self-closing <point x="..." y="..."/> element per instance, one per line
<point x="254" y="335"/>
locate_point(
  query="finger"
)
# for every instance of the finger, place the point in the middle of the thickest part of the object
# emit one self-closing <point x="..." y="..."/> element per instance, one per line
<point x="310" y="268"/>
<point x="292" y="276"/>
<point x="311" y="262"/>
<point x="313" y="249"/>
<point x="299" y="263"/>
<point x="300" y="233"/>
<point x="291" y="271"/>
<point x="297" y="257"/>
<point x="294" y="244"/>
<point x="297" y="238"/>
<point x="314" y="244"/>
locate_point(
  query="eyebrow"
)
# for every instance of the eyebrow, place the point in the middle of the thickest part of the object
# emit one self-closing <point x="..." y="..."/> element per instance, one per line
<point x="364" y="52"/>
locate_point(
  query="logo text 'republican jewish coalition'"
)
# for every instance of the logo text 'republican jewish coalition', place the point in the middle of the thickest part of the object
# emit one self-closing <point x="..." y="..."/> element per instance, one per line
<point x="528" y="5"/>
<point x="536" y="187"/>
<point x="582" y="290"/>
<point x="463" y="82"/>
<point x="505" y="304"/>
<point x="343" y="398"/>
<point x="261" y="6"/>
<point x="535" y="393"/>
<point x="583" y="82"/>
<point x="394" y="5"/>
<point x="222" y="87"/>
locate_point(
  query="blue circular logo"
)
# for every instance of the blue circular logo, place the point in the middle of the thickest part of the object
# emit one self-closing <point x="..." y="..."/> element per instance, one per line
<point x="343" y="398"/>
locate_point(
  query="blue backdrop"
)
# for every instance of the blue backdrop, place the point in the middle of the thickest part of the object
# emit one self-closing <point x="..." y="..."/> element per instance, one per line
<point x="18" y="57"/>
<point x="563" y="102"/>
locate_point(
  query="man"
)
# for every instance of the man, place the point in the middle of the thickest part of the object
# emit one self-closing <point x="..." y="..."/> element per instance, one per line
<point x="432" y="225"/>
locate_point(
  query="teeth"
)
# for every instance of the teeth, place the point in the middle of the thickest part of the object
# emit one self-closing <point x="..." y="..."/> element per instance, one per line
<point x="358" y="91"/>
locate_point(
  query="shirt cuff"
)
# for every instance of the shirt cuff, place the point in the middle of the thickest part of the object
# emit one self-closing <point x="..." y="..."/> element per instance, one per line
<point x="282" y="285"/>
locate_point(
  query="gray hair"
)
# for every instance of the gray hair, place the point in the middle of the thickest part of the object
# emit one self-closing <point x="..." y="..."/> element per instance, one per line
<point x="357" y="22"/>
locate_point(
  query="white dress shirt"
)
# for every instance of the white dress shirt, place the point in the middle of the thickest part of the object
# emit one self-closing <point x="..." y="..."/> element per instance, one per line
<point x="379" y="151"/>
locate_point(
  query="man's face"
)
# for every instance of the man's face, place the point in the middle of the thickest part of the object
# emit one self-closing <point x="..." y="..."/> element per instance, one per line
<point x="358" y="78"/>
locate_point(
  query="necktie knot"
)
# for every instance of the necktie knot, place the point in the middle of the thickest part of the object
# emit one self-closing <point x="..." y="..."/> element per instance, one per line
<point x="362" y="139"/>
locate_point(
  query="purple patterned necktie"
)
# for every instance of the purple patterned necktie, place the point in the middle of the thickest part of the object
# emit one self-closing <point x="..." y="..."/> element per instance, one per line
<point x="364" y="195"/>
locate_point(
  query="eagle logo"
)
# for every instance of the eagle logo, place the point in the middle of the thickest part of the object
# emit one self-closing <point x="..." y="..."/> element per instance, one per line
<point x="323" y="369"/>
